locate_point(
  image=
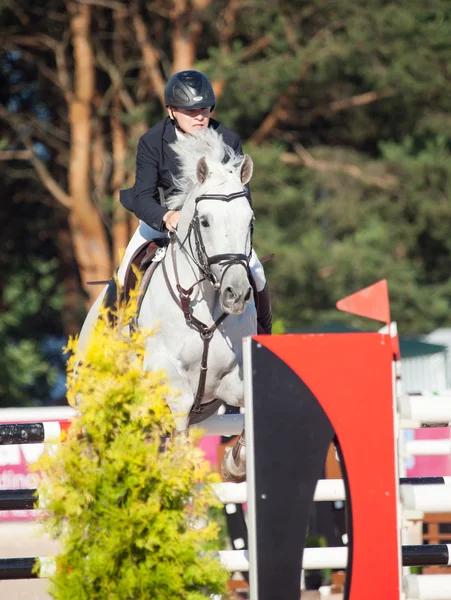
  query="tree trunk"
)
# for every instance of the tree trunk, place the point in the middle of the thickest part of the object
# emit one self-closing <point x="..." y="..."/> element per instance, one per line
<point x="121" y="220"/>
<point x="186" y="28"/>
<point x="87" y="229"/>
<point x="73" y="307"/>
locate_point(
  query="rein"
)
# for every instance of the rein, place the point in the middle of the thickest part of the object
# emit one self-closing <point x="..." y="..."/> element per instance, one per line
<point x="204" y="263"/>
<point x="205" y="332"/>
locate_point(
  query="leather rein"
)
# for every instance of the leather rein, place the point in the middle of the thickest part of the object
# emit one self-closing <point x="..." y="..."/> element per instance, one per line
<point x="183" y="296"/>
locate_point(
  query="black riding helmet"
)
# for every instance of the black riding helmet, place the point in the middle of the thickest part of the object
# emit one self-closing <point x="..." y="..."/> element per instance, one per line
<point x="189" y="89"/>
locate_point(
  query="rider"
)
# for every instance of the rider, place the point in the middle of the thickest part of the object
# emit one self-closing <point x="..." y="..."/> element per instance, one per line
<point x="189" y="99"/>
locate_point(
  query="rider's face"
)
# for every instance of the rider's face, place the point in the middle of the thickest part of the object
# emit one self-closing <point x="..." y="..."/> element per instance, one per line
<point x="191" y="121"/>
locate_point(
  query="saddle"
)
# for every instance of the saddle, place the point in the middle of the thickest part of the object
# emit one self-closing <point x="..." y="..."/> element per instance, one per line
<point x="140" y="263"/>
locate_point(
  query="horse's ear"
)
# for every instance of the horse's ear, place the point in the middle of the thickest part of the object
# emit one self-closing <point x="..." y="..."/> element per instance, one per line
<point x="201" y="170"/>
<point x="247" y="168"/>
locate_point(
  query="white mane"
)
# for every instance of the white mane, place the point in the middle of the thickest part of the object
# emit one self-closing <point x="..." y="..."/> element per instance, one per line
<point x="223" y="162"/>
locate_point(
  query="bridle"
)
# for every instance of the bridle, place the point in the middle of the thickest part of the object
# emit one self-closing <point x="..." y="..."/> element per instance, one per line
<point x="203" y="263"/>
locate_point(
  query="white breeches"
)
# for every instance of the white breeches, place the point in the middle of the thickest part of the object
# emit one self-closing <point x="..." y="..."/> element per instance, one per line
<point x="145" y="233"/>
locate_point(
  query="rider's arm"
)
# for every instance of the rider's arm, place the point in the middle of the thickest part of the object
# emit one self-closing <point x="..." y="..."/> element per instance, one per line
<point x="141" y="199"/>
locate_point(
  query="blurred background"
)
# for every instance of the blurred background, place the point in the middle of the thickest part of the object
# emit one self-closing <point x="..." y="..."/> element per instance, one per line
<point x="343" y="106"/>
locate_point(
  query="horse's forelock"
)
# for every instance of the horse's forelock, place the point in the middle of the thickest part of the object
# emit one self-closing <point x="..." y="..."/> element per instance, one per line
<point x="223" y="162"/>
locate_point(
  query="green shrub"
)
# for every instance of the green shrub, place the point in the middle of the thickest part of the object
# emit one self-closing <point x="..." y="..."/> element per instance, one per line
<point x="125" y="512"/>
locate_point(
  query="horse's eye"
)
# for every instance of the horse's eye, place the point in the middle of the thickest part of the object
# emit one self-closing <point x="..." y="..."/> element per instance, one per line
<point x="204" y="222"/>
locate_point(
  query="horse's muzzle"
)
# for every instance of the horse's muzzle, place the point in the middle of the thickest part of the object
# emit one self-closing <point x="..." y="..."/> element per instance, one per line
<point x="234" y="302"/>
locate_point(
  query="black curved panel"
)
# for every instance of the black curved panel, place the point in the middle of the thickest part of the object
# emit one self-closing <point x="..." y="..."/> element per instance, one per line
<point x="293" y="465"/>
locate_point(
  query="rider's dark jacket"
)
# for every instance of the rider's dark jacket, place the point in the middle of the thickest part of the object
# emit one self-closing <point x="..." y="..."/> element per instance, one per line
<point x="156" y="164"/>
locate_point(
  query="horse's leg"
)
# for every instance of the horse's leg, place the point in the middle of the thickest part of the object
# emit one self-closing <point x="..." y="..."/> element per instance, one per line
<point x="233" y="465"/>
<point x="180" y="397"/>
<point x="230" y="390"/>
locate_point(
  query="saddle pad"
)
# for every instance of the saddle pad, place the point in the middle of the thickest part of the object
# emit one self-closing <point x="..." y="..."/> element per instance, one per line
<point x="140" y="260"/>
<point x="144" y="285"/>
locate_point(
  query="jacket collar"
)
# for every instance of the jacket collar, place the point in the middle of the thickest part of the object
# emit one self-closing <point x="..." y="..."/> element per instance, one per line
<point x="169" y="134"/>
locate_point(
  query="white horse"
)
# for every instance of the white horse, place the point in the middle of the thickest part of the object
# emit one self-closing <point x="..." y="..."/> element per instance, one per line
<point x="199" y="301"/>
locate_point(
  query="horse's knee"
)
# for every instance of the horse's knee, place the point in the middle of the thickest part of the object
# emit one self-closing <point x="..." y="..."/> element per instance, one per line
<point x="230" y="389"/>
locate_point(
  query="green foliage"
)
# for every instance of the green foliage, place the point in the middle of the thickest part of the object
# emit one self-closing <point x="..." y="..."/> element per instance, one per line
<point x="30" y="298"/>
<point x="332" y="236"/>
<point x="373" y="201"/>
<point x="21" y="364"/>
<point x="127" y="514"/>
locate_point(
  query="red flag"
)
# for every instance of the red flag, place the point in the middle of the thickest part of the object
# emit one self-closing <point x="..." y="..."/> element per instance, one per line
<point x="371" y="302"/>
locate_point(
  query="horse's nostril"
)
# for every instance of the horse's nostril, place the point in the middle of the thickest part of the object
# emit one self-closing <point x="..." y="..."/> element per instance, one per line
<point x="248" y="295"/>
<point x="229" y="293"/>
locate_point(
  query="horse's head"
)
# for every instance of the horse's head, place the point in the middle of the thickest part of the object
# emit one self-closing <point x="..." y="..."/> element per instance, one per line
<point x="216" y="219"/>
<point x="221" y="225"/>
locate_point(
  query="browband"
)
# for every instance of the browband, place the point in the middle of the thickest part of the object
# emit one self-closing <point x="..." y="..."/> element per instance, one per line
<point x="223" y="197"/>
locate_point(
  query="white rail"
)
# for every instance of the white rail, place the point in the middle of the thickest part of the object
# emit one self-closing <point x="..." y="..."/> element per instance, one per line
<point x="236" y="493"/>
<point x="427" y="587"/>
<point x="314" y="558"/>
<point x="427" y="447"/>
<point x="425" y="409"/>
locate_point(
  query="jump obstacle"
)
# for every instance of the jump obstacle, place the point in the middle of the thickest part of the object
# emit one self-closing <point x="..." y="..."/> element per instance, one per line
<point x="312" y="375"/>
<point x="429" y="494"/>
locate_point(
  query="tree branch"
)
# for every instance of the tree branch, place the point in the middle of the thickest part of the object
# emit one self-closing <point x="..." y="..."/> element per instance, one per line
<point x="31" y="58"/>
<point x="62" y="79"/>
<point x="245" y="54"/>
<point x="226" y="24"/>
<point x="313" y="53"/>
<point x="149" y="53"/>
<point x="303" y="157"/>
<point x="48" y="181"/>
<point x="44" y="175"/>
<point x="62" y="69"/>
<point x="117" y="79"/>
<point x="55" y="137"/>
<point x="34" y="41"/>
<point x="18" y="11"/>
<point x="47" y="133"/>
<point x="279" y="111"/>
<point x="255" y="48"/>
<point x="15" y="155"/>
<point x="290" y="33"/>
<point x="351" y="102"/>
<point x="226" y="29"/>
<point x="112" y="4"/>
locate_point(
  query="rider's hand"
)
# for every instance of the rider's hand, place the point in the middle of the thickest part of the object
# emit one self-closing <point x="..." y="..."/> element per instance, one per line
<point x="171" y="219"/>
